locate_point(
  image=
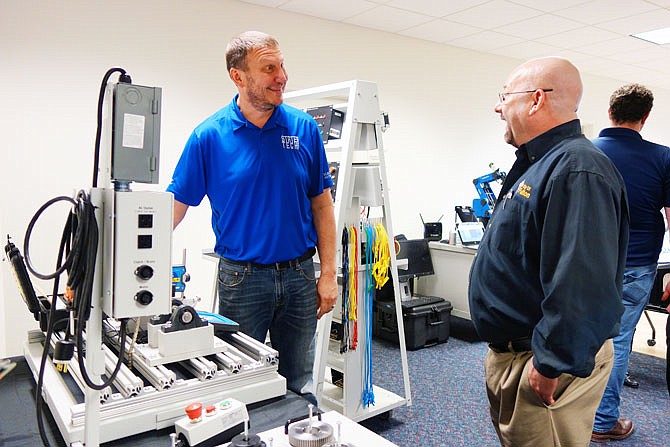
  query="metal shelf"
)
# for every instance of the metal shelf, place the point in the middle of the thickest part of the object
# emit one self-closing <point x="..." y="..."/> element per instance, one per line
<point x="361" y="181"/>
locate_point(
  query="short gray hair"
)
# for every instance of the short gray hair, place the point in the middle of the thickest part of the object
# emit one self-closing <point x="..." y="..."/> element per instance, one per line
<point x="242" y="44"/>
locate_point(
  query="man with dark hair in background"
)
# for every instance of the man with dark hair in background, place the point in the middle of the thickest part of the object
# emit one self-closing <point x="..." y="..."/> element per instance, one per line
<point x="645" y="168"/>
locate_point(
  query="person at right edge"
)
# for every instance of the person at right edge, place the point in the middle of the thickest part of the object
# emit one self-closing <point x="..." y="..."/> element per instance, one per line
<point x="645" y="168"/>
<point x="546" y="283"/>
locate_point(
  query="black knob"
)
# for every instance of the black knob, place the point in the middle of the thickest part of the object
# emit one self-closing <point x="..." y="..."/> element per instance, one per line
<point x="144" y="297"/>
<point x="144" y="272"/>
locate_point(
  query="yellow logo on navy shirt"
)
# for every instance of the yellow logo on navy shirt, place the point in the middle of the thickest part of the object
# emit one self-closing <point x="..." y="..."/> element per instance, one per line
<point x="524" y="189"/>
<point x="290" y="142"/>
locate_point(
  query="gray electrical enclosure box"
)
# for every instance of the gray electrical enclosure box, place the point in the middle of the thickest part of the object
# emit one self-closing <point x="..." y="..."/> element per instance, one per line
<point x="137" y="253"/>
<point x="136" y="133"/>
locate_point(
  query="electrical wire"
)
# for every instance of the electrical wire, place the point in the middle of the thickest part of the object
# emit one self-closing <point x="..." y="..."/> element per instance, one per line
<point x="101" y="96"/>
<point x="368" y="391"/>
<point x="353" y="286"/>
<point x="39" y="401"/>
<point x="344" y="342"/>
<point x="80" y="243"/>
<point x="77" y="255"/>
<point x="380" y="270"/>
<point x="131" y="349"/>
<point x="26" y="243"/>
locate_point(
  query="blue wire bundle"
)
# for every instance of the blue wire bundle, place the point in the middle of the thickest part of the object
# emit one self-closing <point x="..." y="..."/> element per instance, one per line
<point x="368" y="392"/>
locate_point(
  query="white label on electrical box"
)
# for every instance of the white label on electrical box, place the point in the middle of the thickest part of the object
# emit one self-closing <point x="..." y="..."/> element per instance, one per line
<point x="133" y="131"/>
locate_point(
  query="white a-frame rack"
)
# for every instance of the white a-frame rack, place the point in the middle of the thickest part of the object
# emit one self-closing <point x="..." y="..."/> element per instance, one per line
<point x="361" y="181"/>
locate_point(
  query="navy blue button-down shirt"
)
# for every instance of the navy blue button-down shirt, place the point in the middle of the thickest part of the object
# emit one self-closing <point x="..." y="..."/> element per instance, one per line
<point x="645" y="167"/>
<point x="550" y="265"/>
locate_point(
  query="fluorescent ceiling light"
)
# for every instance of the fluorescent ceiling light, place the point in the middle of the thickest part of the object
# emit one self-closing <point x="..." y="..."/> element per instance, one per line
<point x="657" y="36"/>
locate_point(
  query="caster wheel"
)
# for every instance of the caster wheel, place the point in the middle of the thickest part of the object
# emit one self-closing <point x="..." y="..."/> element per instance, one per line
<point x="651" y="342"/>
<point x="386" y="415"/>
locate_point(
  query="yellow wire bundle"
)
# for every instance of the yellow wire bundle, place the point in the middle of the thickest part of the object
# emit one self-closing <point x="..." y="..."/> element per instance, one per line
<point x="380" y="270"/>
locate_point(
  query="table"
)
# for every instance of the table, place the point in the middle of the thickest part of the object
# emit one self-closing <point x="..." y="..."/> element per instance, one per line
<point x="451" y="264"/>
<point x="352" y="433"/>
<point x="18" y="423"/>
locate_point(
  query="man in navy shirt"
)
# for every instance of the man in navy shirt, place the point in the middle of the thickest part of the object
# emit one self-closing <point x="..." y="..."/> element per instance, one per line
<point x="545" y="286"/>
<point x="645" y="168"/>
<point x="263" y="167"/>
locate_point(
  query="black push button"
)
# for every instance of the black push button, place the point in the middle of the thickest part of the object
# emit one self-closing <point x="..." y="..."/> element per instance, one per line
<point x="144" y="297"/>
<point x="144" y="272"/>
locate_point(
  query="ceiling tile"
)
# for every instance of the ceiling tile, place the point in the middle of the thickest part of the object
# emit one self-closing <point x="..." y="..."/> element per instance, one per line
<point x="526" y="50"/>
<point x="613" y="46"/>
<point x="572" y="56"/>
<point x="578" y="37"/>
<point x="327" y="9"/>
<point x="656" y="53"/>
<point x="663" y="3"/>
<point x="594" y="34"/>
<point x="594" y="64"/>
<point x="435" y="8"/>
<point x="629" y="72"/>
<point x="650" y="78"/>
<point x="270" y="3"/>
<point x="440" y="31"/>
<point x="485" y="41"/>
<point x="386" y="18"/>
<point x="598" y="11"/>
<point x="656" y="64"/>
<point x="548" y="5"/>
<point x="493" y="14"/>
<point x="539" y="26"/>
<point x="638" y="23"/>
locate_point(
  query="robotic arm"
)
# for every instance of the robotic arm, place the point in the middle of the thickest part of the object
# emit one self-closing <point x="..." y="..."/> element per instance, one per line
<point x="483" y="206"/>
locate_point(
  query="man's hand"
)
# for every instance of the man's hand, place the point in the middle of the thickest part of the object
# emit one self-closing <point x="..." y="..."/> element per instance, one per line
<point x="326" y="246"/>
<point x="326" y="289"/>
<point x="544" y="387"/>
<point x="666" y="294"/>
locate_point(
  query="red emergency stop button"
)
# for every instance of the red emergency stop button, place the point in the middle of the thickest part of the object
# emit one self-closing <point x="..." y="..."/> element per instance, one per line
<point x="194" y="411"/>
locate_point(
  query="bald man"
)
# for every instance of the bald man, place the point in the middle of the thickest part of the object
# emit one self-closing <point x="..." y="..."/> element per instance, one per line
<point x="545" y="286"/>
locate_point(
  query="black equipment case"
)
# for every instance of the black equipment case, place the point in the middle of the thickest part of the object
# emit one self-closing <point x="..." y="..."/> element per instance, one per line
<point x="426" y="321"/>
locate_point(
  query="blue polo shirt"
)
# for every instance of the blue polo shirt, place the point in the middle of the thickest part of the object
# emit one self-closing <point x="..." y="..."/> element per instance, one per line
<point x="259" y="182"/>
<point x="645" y="167"/>
<point x="550" y="265"/>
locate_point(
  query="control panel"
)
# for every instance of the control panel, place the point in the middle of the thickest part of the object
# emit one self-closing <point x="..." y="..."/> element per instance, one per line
<point x="137" y="262"/>
<point x="213" y="424"/>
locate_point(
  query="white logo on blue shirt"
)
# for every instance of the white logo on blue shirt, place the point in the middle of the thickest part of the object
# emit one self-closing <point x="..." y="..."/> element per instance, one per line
<point x="290" y="142"/>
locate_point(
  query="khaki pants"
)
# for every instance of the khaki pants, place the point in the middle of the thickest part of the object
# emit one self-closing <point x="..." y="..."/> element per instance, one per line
<point x="522" y="419"/>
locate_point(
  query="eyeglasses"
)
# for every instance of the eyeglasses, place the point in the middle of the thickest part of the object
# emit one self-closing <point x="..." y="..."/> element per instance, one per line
<point x="503" y="95"/>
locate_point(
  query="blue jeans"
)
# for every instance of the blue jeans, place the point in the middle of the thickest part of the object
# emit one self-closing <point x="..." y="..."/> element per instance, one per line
<point x="637" y="284"/>
<point x="282" y="302"/>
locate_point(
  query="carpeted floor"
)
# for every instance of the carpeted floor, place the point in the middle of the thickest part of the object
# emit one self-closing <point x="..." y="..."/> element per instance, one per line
<point x="449" y="405"/>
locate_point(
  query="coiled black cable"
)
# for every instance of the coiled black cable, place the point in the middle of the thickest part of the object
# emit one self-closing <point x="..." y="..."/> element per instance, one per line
<point x="79" y="244"/>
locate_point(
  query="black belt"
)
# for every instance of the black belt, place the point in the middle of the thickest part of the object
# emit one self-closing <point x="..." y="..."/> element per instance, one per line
<point x="518" y="345"/>
<point x="283" y="265"/>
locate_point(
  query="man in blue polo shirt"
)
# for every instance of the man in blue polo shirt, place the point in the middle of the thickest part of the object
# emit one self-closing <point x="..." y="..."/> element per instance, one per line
<point x="645" y="168"/>
<point x="263" y="167"/>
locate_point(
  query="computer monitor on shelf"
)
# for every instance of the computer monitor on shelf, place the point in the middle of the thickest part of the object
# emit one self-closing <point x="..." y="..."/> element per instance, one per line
<point x="419" y="263"/>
